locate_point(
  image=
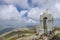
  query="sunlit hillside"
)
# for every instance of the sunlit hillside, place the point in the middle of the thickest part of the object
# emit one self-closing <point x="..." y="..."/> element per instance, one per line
<point x="15" y="35"/>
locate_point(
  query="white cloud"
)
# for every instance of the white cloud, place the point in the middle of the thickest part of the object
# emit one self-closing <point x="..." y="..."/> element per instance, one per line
<point x="23" y="12"/>
<point x="57" y="5"/>
<point x="9" y="12"/>
<point x="30" y="21"/>
<point x="11" y="16"/>
<point x="56" y="10"/>
<point x="21" y="3"/>
<point x="43" y="3"/>
<point x="35" y="13"/>
<point x="52" y="5"/>
<point x="49" y="4"/>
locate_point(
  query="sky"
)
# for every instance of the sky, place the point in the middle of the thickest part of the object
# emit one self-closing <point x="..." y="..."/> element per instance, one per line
<point x="15" y="13"/>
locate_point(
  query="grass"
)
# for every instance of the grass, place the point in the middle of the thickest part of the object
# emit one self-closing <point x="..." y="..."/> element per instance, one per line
<point x="1" y="38"/>
<point x="18" y="32"/>
<point x="57" y="28"/>
<point x="31" y="31"/>
<point x="56" y="37"/>
<point x="14" y="38"/>
<point x="10" y="34"/>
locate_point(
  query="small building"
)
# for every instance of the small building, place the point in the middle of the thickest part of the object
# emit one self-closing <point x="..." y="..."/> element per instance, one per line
<point x="46" y="22"/>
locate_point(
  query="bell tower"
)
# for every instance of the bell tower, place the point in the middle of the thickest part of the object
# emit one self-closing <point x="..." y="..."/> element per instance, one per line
<point x="46" y="22"/>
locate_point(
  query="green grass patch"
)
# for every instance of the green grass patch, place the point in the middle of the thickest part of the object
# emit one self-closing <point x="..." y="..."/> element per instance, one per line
<point x="56" y="37"/>
<point x="1" y="38"/>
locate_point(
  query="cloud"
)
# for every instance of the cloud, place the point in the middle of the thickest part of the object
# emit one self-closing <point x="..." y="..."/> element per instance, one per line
<point x="57" y="5"/>
<point x="11" y="17"/>
<point x="56" y="10"/>
<point x="42" y="3"/>
<point x="21" y="3"/>
<point x="35" y="13"/>
<point x="8" y="12"/>
<point x="30" y="21"/>
<point x="51" y="5"/>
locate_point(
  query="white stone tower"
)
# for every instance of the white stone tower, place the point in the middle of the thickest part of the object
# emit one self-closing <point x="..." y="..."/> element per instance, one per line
<point x="46" y="22"/>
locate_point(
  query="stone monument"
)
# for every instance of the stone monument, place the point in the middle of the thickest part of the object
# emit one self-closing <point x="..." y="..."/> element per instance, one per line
<point x="46" y="22"/>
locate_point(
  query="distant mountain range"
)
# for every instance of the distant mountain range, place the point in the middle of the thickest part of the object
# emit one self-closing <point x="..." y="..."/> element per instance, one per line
<point x="5" y="30"/>
<point x="10" y="29"/>
<point x="30" y="26"/>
